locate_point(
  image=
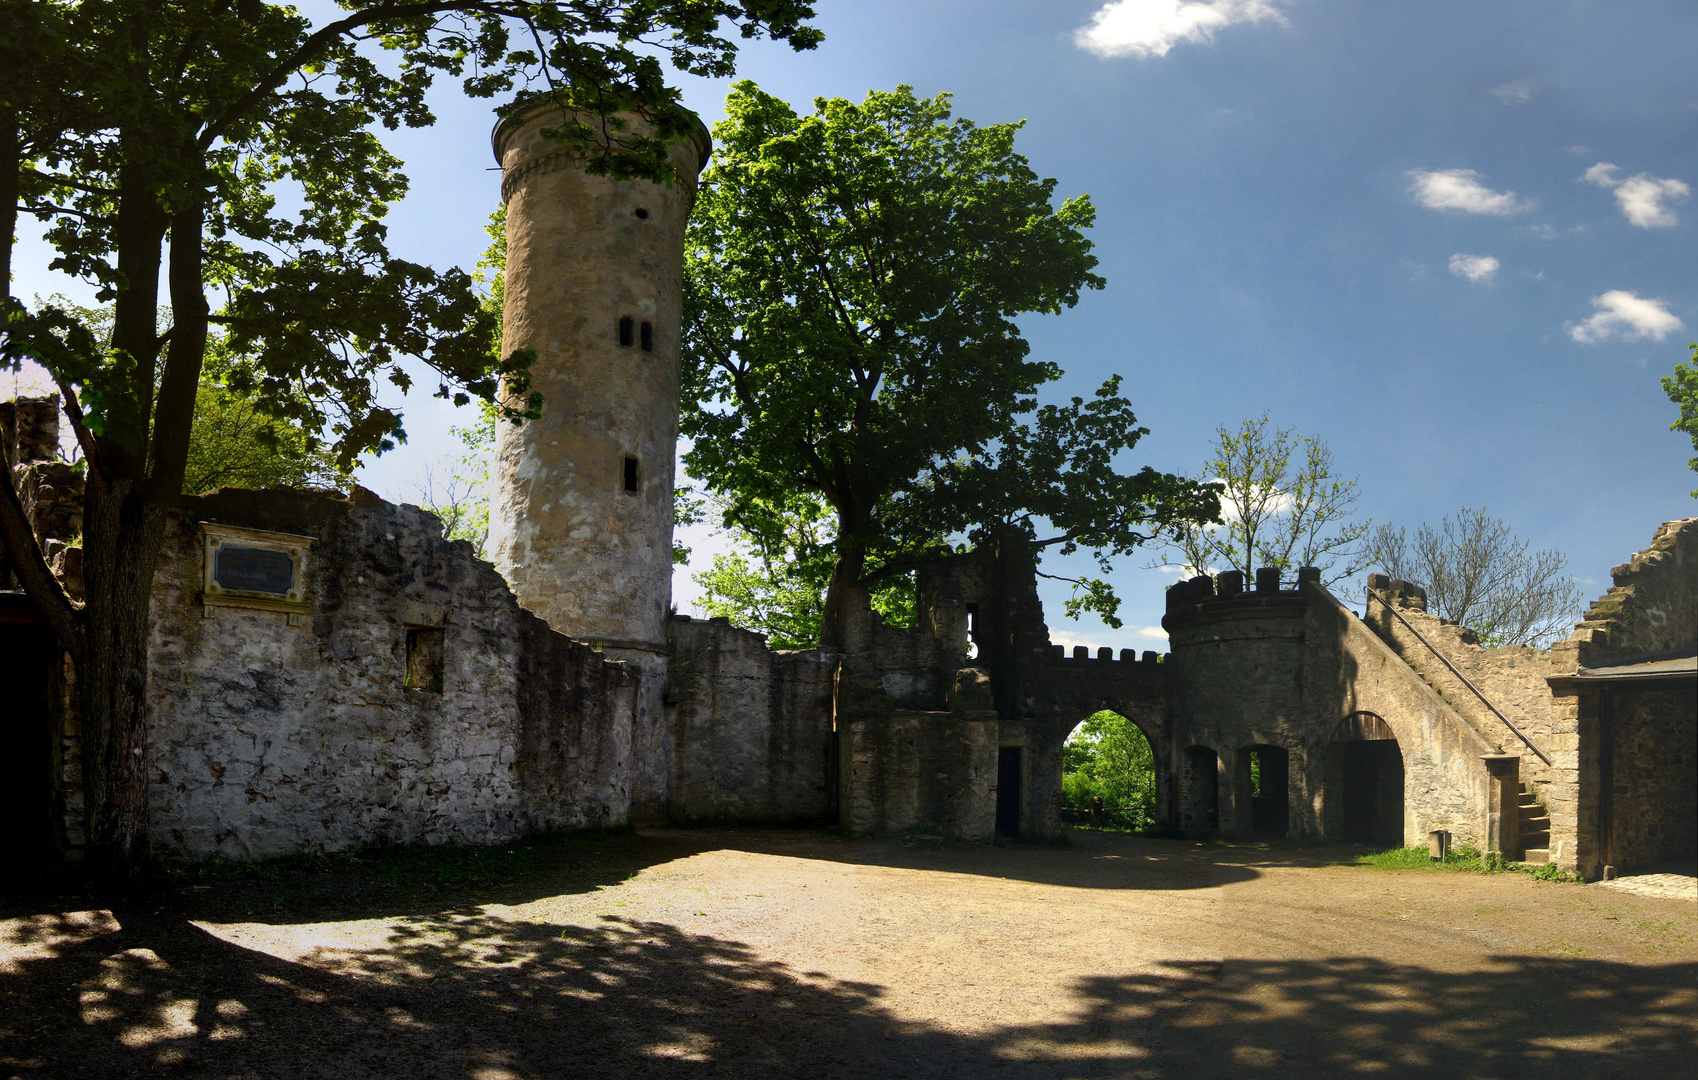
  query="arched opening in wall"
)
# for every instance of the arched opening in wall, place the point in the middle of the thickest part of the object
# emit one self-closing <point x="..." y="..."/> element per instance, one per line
<point x="28" y="656"/>
<point x="1108" y="774"/>
<point x="1199" y="791"/>
<point x="1365" y="769"/>
<point x="1264" y="779"/>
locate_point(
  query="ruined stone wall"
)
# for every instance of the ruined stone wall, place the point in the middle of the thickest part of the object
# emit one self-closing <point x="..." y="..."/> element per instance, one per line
<point x="924" y="772"/>
<point x="751" y="729"/>
<point x="1651" y="608"/>
<point x="267" y="737"/>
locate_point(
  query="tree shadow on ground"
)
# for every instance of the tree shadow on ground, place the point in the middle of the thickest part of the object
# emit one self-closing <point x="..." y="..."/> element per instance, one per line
<point x="374" y="882"/>
<point x="481" y="996"/>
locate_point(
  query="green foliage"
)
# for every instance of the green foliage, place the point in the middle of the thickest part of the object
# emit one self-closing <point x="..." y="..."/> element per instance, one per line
<point x="776" y="583"/>
<point x="231" y="443"/>
<point x="1418" y="858"/>
<point x="1549" y="872"/>
<point x="461" y="498"/>
<point x="1284" y="505"/>
<point x="1108" y="757"/>
<point x="852" y="278"/>
<point x="1682" y="389"/>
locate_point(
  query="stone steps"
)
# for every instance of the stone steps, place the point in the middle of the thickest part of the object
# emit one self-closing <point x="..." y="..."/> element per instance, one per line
<point x="1534" y="827"/>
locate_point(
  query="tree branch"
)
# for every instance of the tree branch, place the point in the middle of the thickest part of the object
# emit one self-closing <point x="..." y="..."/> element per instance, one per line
<point x="79" y="424"/>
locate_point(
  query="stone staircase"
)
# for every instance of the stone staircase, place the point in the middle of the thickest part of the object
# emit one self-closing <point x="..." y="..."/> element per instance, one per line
<point x="1535" y="829"/>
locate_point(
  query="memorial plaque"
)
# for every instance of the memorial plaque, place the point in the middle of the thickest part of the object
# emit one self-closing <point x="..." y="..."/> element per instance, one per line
<point x="254" y="570"/>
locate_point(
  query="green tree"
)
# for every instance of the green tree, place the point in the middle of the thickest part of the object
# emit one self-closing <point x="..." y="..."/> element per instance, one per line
<point x="851" y="284"/>
<point x="1682" y="389"/>
<point x="1109" y="758"/>
<point x="127" y="123"/>
<point x="232" y="443"/>
<point x="1284" y="506"/>
<point x="1479" y="574"/>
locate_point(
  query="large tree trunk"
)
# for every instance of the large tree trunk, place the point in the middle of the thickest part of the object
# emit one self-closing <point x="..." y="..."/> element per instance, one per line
<point x="122" y="536"/>
<point x="842" y="590"/>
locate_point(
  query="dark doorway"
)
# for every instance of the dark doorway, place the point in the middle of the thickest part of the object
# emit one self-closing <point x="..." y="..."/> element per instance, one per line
<point x="1269" y="784"/>
<point x="1200" y="791"/>
<point x="1008" y="791"/>
<point x="28" y="655"/>
<point x="1364" y="782"/>
<point x="1373" y="791"/>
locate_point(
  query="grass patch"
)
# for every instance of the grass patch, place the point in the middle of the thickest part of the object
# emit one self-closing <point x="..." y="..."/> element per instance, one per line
<point x="1459" y="859"/>
<point x="1417" y="858"/>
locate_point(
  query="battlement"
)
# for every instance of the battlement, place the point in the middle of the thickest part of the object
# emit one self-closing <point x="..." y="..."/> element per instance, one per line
<point x="1058" y="654"/>
<point x="1224" y="595"/>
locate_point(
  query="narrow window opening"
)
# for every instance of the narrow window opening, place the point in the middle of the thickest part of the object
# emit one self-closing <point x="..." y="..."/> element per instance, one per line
<point x="648" y="337"/>
<point x="642" y="213"/>
<point x="424" y="659"/>
<point x="631" y="479"/>
<point x="625" y="331"/>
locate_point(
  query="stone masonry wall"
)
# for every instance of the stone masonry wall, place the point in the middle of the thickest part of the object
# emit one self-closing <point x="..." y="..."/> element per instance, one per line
<point x="751" y="729"/>
<point x="926" y="772"/>
<point x="1651" y="610"/>
<point x="267" y="738"/>
<point x="1348" y="669"/>
<point x="1513" y="677"/>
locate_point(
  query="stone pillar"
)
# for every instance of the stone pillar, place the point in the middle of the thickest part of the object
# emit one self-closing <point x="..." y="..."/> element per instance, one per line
<point x="1503" y="805"/>
<point x="581" y="524"/>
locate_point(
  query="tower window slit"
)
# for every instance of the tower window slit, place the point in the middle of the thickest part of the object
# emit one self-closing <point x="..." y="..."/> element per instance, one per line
<point x="632" y="484"/>
<point x="625" y="330"/>
<point x="648" y="337"/>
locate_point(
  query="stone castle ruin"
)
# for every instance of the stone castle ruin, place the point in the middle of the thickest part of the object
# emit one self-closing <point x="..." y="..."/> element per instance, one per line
<point x="328" y="671"/>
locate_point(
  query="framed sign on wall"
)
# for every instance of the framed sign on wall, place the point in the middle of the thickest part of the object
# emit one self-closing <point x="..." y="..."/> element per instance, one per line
<point x="256" y="569"/>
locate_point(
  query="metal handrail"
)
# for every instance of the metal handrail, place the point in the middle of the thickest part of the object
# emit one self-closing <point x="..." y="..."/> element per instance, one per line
<point x="1507" y="722"/>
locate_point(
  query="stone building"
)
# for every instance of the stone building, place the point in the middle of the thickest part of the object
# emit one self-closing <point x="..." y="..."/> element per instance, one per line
<point x="327" y="671"/>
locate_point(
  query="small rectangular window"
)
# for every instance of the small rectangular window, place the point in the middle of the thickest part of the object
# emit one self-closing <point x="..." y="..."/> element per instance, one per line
<point x="648" y="337"/>
<point x="625" y="331"/>
<point x="424" y="659"/>
<point x="632" y="484"/>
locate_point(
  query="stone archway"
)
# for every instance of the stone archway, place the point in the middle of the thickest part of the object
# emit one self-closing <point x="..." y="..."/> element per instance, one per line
<point x="1364" y="781"/>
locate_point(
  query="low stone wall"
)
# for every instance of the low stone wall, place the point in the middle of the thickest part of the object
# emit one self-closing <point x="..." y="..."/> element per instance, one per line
<point x="750" y="728"/>
<point x="267" y="737"/>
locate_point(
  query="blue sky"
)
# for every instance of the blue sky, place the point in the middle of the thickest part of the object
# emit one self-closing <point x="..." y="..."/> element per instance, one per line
<point x="1382" y="223"/>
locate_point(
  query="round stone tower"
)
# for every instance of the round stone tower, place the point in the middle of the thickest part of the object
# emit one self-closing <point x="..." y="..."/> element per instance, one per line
<point x="581" y="520"/>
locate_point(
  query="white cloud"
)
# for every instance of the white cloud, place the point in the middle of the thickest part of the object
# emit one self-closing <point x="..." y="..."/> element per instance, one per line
<point x="1460" y="189"/>
<point x="1640" y="196"/>
<point x="1519" y="92"/>
<point x="1152" y="27"/>
<point x="1601" y="174"/>
<point x="1629" y="317"/>
<point x="1473" y="267"/>
<point x="1152" y="632"/>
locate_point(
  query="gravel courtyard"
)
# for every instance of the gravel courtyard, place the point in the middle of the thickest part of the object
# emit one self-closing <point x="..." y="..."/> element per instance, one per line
<point x="726" y="953"/>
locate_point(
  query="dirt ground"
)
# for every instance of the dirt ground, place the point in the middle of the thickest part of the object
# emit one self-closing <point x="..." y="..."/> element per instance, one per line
<point x="734" y="953"/>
